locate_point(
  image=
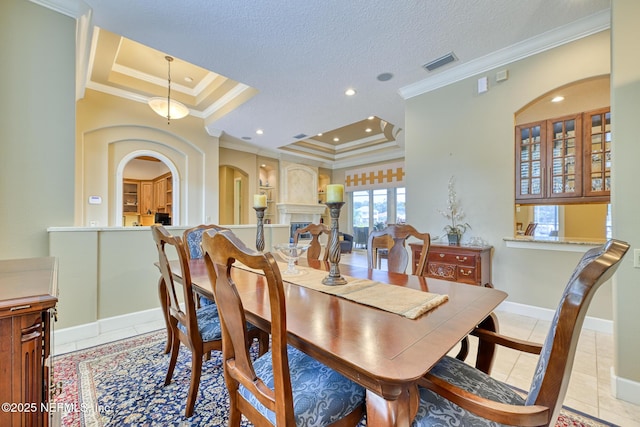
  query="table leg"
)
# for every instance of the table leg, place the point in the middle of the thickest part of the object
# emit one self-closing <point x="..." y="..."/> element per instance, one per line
<point x="397" y="413"/>
<point x="486" y="350"/>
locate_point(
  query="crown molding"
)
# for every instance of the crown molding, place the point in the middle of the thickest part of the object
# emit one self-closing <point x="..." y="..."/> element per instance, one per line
<point x="551" y="39"/>
<point x="71" y="8"/>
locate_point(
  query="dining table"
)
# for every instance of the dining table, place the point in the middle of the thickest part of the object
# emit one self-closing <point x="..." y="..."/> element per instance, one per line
<point x="383" y="351"/>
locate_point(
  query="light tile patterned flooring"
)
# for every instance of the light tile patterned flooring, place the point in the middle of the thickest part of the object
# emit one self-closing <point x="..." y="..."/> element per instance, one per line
<point x="589" y="389"/>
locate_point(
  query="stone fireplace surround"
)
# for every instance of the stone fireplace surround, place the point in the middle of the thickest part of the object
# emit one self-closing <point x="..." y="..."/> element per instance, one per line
<point x="299" y="194"/>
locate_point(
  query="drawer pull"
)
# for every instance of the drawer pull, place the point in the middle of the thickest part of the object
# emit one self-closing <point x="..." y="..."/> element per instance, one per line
<point x="467" y="273"/>
<point x="441" y="255"/>
<point x="461" y="259"/>
<point x="20" y="307"/>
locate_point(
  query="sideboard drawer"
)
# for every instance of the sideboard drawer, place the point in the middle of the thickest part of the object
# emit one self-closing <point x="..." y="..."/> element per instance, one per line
<point x="463" y="264"/>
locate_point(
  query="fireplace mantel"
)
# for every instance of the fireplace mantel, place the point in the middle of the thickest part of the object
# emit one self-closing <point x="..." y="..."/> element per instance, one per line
<point x="299" y="212"/>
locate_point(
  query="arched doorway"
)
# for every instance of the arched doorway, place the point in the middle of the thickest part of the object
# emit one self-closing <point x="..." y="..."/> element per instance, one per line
<point x="147" y="190"/>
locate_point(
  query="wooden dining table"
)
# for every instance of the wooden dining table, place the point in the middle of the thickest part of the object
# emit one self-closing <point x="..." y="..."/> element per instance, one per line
<point x="384" y="352"/>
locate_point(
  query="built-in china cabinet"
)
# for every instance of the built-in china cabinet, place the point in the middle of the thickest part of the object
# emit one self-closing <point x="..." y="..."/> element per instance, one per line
<point x="565" y="159"/>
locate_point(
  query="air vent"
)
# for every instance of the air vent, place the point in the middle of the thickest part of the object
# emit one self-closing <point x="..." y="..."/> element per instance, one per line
<point x="437" y="63"/>
<point x="300" y="136"/>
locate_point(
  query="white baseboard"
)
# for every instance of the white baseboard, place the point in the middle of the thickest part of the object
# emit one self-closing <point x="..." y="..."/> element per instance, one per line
<point x="625" y="389"/>
<point x="591" y="323"/>
<point x="94" y="329"/>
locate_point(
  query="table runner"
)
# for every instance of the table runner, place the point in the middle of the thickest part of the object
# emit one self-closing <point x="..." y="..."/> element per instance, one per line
<point x="406" y="302"/>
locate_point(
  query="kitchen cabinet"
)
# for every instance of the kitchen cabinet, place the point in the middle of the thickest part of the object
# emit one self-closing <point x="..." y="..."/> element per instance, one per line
<point x="130" y="193"/>
<point x="564" y="160"/>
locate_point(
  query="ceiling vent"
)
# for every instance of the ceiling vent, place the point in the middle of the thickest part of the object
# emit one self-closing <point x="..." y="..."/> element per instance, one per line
<point x="300" y="136"/>
<point x="437" y="63"/>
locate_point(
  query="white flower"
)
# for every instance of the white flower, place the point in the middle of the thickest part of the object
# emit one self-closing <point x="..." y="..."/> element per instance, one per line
<point x="454" y="212"/>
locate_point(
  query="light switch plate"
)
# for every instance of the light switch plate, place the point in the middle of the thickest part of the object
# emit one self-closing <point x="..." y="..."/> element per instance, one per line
<point x="636" y="258"/>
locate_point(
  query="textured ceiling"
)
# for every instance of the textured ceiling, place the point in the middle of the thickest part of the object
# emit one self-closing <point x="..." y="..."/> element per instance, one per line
<point x="295" y="59"/>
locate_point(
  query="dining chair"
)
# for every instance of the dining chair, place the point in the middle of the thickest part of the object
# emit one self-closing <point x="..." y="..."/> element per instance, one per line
<point x="397" y="255"/>
<point x="454" y="392"/>
<point x="284" y="387"/>
<point x="192" y="237"/>
<point x="197" y="329"/>
<point x="315" y="248"/>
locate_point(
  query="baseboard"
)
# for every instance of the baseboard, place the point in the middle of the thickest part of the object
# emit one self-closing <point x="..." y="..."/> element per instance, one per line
<point x="94" y="329"/>
<point x="625" y="389"/>
<point x="591" y="323"/>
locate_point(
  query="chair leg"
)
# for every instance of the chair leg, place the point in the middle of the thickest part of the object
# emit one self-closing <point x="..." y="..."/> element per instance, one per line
<point x="175" y="348"/>
<point x="164" y="303"/>
<point x="196" y="371"/>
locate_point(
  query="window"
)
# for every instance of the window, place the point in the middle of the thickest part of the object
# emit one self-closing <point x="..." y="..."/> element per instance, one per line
<point x="547" y="219"/>
<point x="374" y="209"/>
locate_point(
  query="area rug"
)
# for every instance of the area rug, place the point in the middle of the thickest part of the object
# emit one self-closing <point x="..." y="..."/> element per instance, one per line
<point x="121" y="384"/>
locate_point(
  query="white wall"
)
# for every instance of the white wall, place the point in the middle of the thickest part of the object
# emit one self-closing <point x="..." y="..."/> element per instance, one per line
<point x="455" y="131"/>
<point x="36" y="126"/>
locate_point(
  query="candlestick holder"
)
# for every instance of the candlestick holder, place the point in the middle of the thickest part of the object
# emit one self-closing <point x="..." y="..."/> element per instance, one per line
<point x="260" y="228"/>
<point x="334" y="278"/>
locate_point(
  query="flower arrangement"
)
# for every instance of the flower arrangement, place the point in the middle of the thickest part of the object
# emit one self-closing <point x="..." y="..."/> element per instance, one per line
<point x="454" y="213"/>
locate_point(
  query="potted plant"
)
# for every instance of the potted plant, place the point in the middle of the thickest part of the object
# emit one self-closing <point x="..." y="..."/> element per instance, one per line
<point x="455" y="214"/>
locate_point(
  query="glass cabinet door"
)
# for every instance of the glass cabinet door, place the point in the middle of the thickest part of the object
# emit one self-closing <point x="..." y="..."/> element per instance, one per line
<point x="598" y="153"/>
<point x="530" y="167"/>
<point x="565" y="157"/>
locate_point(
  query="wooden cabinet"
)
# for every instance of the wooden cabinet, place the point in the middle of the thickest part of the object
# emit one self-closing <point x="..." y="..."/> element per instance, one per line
<point x="564" y="160"/>
<point x="597" y="153"/>
<point x="130" y="193"/>
<point x="464" y="264"/>
<point x="163" y="194"/>
<point x="28" y="296"/>
<point x="146" y="197"/>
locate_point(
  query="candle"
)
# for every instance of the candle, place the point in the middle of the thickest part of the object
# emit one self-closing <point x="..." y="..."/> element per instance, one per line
<point x="259" y="200"/>
<point x="335" y="193"/>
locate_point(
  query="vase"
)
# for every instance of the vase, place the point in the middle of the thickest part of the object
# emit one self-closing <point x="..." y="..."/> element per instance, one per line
<point x="454" y="239"/>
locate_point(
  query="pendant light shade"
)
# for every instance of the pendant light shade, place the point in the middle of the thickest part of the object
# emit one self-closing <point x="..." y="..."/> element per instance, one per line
<point x="167" y="107"/>
<point x="176" y="110"/>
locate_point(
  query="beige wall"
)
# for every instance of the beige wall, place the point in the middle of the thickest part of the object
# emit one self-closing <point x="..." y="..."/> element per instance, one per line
<point x="452" y="131"/>
<point x="625" y="108"/>
<point x="111" y="130"/>
<point x="36" y="126"/>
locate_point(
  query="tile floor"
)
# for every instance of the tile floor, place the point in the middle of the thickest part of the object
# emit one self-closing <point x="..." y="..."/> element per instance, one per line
<point x="589" y="389"/>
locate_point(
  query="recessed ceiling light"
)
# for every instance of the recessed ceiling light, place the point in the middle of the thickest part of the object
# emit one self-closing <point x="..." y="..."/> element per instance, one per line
<point x="557" y="99"/>
<point x="336" y="139"/>
<point x="370" y="117"/>
<point x="367" y="130"/>
<point x="350" y="92"/>
<point x="263" y="165"/>
<point x="259" y="131"/>
<point x="320" y="134"/>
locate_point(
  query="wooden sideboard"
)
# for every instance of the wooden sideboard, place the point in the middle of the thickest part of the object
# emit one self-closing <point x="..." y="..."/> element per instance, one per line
<point x="464" y="264"/>
<point x="28" y="296"/>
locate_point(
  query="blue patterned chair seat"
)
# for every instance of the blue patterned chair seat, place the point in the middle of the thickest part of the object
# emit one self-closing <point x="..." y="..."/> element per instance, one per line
<point x="320" y="395"/>
<point x="208" y="323"/>
<point x="435" y="410"/>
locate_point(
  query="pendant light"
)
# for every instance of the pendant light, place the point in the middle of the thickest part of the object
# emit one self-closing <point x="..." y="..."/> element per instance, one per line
<point x="167" y="107"/>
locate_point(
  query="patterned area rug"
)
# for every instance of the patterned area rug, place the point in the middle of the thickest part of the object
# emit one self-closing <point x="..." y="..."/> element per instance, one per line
<point x="121" y="384"/>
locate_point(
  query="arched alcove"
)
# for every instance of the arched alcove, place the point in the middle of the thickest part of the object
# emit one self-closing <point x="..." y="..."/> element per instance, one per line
<point x="169" y="192"/>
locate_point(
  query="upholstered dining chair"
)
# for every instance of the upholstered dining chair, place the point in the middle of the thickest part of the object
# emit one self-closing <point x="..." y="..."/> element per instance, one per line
<point x="455" y="393"/>
<point x="192" y="237"/>
<point x="315" y="248"/>
<point x="197" y="329"/>
<point x="397" y="255"/>
<point x="285" y="387"/>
